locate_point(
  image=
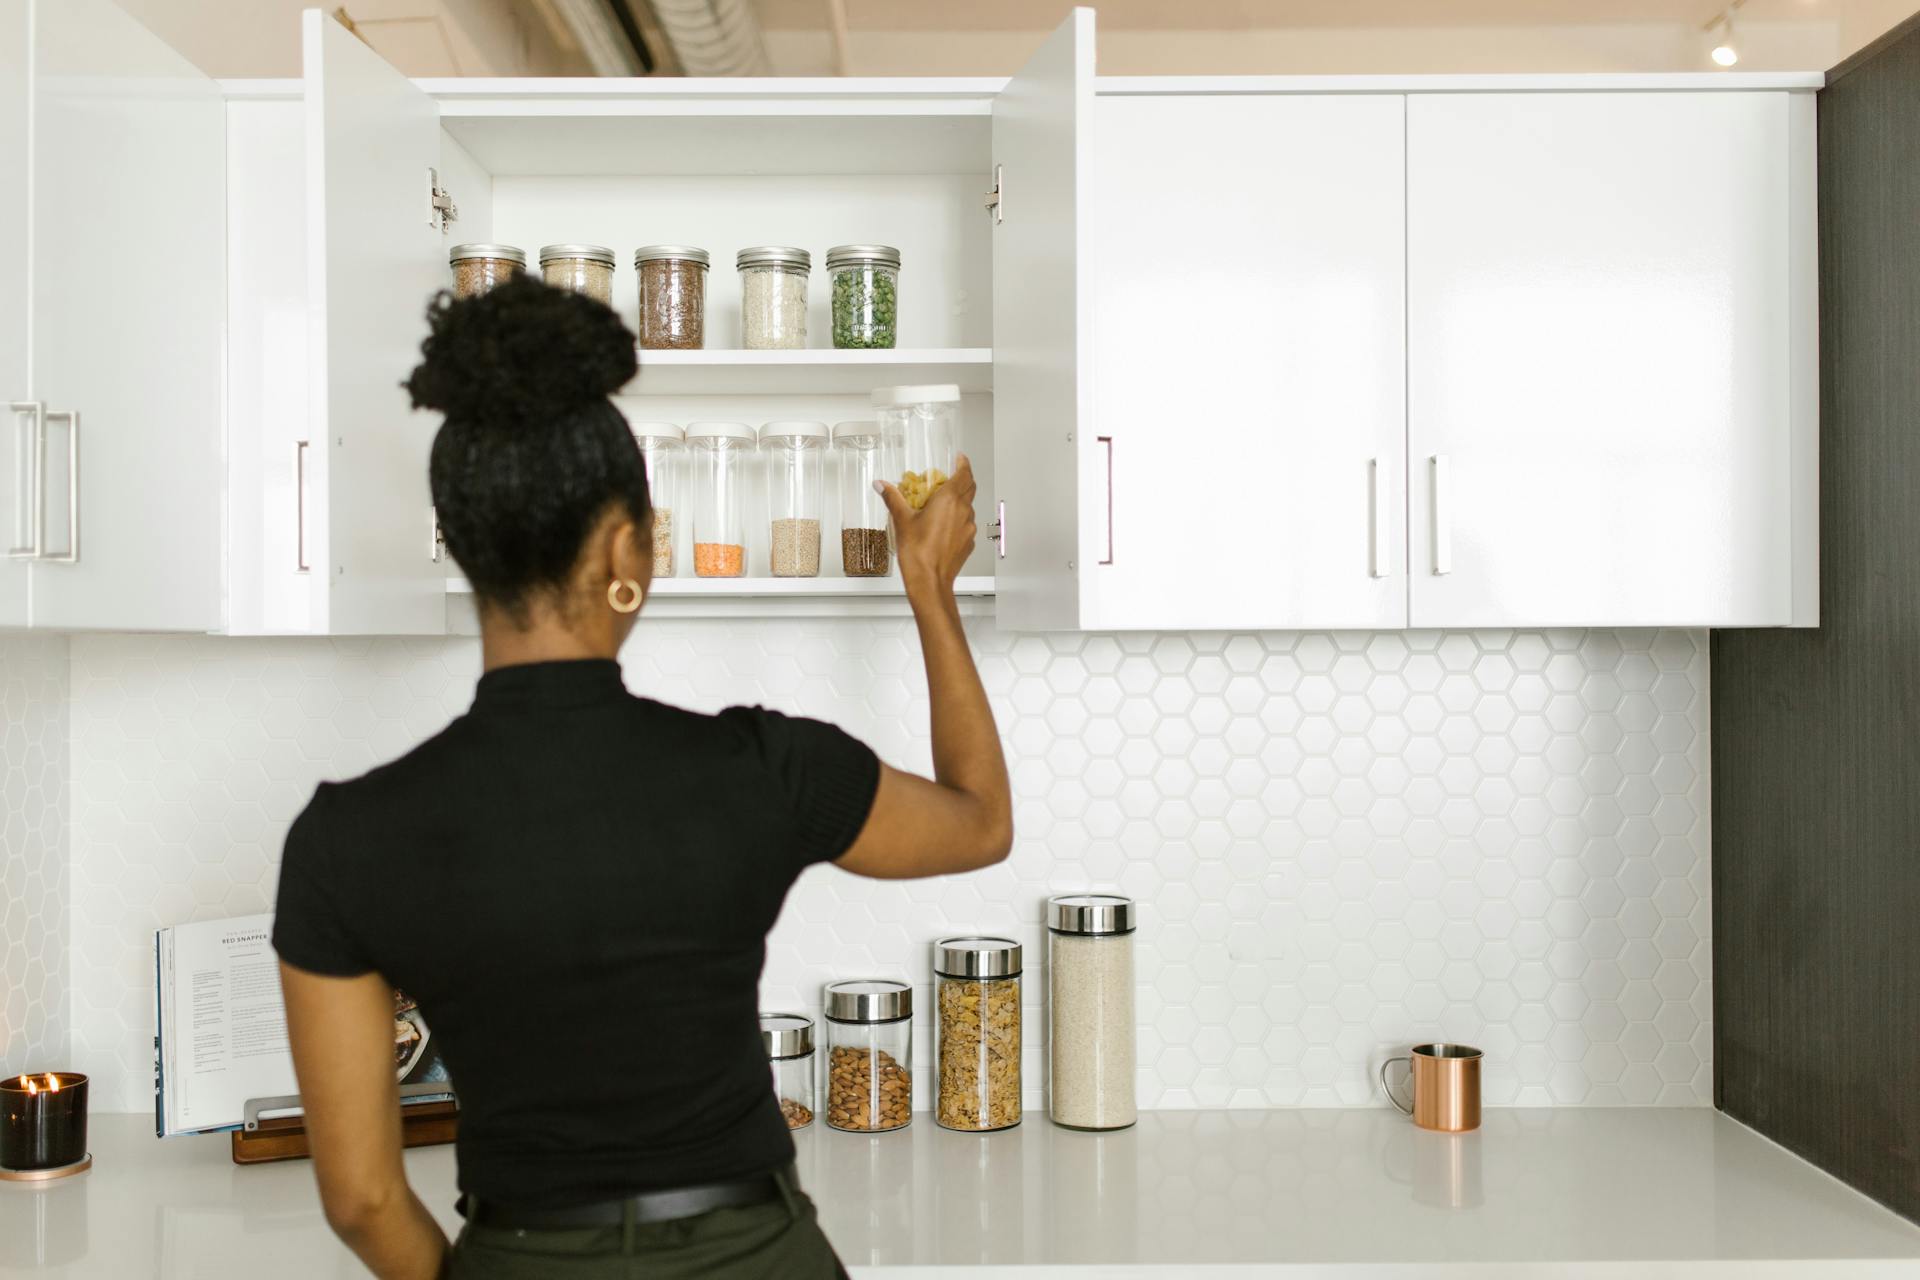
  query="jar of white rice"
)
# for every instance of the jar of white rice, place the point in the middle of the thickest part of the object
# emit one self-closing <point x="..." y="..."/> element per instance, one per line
<point x="1090" y="1034"/>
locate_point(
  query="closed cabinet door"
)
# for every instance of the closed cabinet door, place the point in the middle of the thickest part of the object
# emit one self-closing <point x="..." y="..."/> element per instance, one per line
<point x="128" y="310"/>
<point x="1249" y="363"/>
<point x="22" y="421"/>
<point x="1599" y="371"/>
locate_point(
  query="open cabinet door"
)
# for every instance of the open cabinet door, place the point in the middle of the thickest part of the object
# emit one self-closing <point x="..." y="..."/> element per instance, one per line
<point x="128" y="313"/>
<point x="1042" y="336"/>
<point x="19" y="425"/>
<point x="376" y="254"/>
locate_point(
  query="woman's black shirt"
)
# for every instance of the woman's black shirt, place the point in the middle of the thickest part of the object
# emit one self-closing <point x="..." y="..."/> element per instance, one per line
<point x="576" y="885"/>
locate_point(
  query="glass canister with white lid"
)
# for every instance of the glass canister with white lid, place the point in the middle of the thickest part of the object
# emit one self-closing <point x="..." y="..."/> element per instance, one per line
<point x="919" y="429"/>
<point x="717" y="454"/>
<point x="865" y="549"/>
<point x="869" y="1055"/>
<point x="796" y="495"/>
<point x="663" y="448"/>
<point x="480" y="267"/>
<point x="977" y="1030"/>
<point x="1090" y="1022"/>
<point x="865" y="279"/>
<point x="773" y="297"/>
<point x="788" y="1038"/>
<point x="583" y="268"/>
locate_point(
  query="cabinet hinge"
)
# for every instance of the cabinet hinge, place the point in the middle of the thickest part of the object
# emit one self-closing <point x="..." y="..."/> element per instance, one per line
<point x="441" y="211"/>
<point x="436" y="541"/>
<point x="993" y="199"/>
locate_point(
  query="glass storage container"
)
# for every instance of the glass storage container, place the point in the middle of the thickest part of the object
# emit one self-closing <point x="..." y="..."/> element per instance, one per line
<point x="869" y="1055"/>
<point x="866" y="294"/>
<point x="479" y="267"/>
<point x="1090" y="1027"/>
<point x="773" y="297"/>
<point x="663" y="448"/>
<point x="864" y="549"/>
<point x="789" y="1041"/>
<point x="917" y="429"/>
<point x="796" y="495"/>
<point x="718" y="452"/>
<point x="673" y="296"/>
<point x="583" y="268"/>
<point x="977" y="981"/>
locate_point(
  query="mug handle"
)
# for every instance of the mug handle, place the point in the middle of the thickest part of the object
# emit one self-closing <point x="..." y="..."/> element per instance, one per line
<point x="1388" y="1089"/>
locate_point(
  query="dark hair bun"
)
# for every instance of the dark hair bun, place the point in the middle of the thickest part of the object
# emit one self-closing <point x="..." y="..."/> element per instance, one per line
<point x="520" y="355"/>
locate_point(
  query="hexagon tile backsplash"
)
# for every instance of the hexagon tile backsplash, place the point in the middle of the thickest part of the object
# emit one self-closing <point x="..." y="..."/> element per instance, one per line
<point x="34" y="903"/>
<point x="1341" y="843"/>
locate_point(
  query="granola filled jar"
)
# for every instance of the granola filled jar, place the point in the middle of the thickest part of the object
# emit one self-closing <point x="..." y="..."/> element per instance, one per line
<point x="673" y="296"/>
<point x="480" y="267"/>
<point x="663" y="448"/>
<point x="583" y="268"/>
<point x="773" y="297"/>
<point x="789" y="1041"/>
<point x="869" y="1055"/>
<point x="866" y="294"/>
<point x="977" y="982"/>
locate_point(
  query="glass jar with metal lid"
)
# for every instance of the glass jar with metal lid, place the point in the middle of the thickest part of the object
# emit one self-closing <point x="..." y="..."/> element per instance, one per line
<point x="718" y="452"/>
<point x="673" y="296"/>
<point x="583" y="268"/>
<point x="865" y="551"/>
<point x="866" y="294"/>
<point x="663" y="448"/>
<point x="789" y="1041"/>
<point x="479" y="267"/>
<point x="869" y="1055"/>
<point x="1090" y="1026"/>
<point x="977" y="982"/>
<point x="773" y="297"/>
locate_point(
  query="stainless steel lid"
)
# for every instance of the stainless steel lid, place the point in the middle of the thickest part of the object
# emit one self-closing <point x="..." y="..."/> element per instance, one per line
<point x="686" y="252"/>
<point x="976" y="957"/>
<point x="869" y="1000"/>
<point x="786" y="1035"/>
<point x="1090" y="913"/>
<point x="591" y="252"/>
<point x="773" y="255"/>
<point x="847" y="255"/>
<point x="468" y="252"/>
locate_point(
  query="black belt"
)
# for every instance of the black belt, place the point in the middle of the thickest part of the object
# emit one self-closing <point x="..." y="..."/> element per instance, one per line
<point x="647" y="1206"/>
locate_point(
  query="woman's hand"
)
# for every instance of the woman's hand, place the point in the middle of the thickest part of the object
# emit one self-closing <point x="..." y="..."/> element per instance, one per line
<point x="934" y="542"/>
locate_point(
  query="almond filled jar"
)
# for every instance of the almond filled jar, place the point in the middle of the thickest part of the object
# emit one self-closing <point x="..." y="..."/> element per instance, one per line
<point x="977" y="984"/>
<point x="869" y="1055"/>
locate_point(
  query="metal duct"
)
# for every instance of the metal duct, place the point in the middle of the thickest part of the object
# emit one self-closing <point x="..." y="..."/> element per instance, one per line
<point x="712" y="37"/>
<point x="605" y="32"/>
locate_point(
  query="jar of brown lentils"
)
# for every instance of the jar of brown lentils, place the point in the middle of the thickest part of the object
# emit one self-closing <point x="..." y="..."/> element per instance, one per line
<point x="673" y="296"/>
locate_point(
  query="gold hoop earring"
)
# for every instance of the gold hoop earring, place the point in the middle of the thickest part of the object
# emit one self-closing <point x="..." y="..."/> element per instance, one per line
<point x="626" y="603"/>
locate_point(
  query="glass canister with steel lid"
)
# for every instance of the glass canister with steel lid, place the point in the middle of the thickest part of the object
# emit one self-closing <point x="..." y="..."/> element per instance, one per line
<point x="673" y="296"/>
<point x="773" y="297"/>
<point x="869" y="1055"/>
<point x="480" y="267"/>
<point x="583" y="268"/>
<point x="865" y="279"/>
<point x="1090" y="1027"/>
<point x="977" y="983"/>
<point x="789" y="1041"/>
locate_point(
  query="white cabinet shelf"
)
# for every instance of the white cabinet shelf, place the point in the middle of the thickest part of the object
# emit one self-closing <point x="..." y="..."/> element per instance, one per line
<point x="762" y="598"/>
<point x="768" y="588"/>
<point x="809" y="372"/>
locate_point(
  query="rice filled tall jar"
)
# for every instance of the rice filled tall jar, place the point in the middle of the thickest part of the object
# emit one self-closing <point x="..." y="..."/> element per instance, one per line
<point x="663" y="448"/>
<point x="719" y="452"/>
<point x="673" y="296"/>
<point x="773" y="297"/>
<point x="583" y="268"/>
<point x="977" y="981"/>
<point x="866" y="294"/>
<point x="1090" y="1031"/>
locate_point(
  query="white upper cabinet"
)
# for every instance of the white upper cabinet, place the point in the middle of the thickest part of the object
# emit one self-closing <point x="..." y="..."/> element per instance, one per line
<point x="1609" y="344"/>
<point x="22" y="420"/>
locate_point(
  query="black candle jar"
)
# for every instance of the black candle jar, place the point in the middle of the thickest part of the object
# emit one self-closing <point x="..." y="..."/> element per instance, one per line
<point x="43" y="1121"/>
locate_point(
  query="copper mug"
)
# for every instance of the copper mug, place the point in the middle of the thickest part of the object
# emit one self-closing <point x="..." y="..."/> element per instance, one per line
<point x="1445" y="1082"/>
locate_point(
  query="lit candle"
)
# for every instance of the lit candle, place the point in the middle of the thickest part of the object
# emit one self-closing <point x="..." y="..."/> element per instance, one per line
<point x="43" y="1121"/>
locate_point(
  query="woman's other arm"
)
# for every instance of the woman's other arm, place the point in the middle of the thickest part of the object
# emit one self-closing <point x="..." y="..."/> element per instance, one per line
<point x="962" y="818"/>
<point x="342" y="1035"/>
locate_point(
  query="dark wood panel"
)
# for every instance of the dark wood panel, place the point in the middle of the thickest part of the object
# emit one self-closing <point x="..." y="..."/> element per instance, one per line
<point x="1816" y="734"/>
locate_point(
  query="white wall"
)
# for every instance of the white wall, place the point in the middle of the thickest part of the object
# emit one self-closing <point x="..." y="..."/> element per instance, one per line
<point x="35" y="900"/>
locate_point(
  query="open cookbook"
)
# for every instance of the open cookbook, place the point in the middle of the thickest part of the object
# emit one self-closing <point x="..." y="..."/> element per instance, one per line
<point x="220" y="1036"/>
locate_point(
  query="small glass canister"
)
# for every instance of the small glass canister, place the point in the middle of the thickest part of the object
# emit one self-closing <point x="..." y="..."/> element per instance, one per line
<point x="796" y="495"/>
<point x="866" y="294"/>
<point x="583" y="268"/>
<point x="673" y="296"/>
<point x="773" y="297"/>
<point x="1090" y="1026"/>
<point x="864" y="549"/>
<point x="663" y="448"/>
<point x="869" y="1055"/>
<point x="718" y="453"/>
<point x="978" y="1031"/>
<point x="479" y="267"/>
<point x="789" y="1041"/>
<point x="917" y="429"/>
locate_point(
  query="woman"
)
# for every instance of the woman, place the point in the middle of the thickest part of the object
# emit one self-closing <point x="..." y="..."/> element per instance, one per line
<point x="575" y="883"/>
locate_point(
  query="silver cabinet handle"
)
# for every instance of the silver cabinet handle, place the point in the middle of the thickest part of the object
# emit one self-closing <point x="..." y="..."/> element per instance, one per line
<point x="1379" y="566"/>
<point x="36" y="477"/>
<point x="73" y="490"/>
<point x="1442" y="516"/>
<point x="1108" y="441"/>
<point x="999" y="533"/>
<point x="300" y="564"/>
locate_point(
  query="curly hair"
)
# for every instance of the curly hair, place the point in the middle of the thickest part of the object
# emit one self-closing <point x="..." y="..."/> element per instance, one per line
<point x="531" y="453"/>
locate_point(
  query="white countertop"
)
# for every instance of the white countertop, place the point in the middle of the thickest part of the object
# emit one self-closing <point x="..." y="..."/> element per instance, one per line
<point x="1536" y="1193"/>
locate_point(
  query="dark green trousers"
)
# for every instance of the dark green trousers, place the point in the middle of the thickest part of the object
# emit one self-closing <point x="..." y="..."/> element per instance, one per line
<point x="778" y="1240"/>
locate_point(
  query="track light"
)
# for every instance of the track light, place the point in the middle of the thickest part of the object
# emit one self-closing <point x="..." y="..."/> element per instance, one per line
<point x="1725" y="51"/>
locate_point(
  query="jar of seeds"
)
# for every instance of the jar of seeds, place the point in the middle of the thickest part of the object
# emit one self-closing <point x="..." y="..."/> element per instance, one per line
<point x="796" y="493"/>
<point x="977" y="982"/>
<point x="717" y="454"/>
<point x="479" y="267"/>
<point x="663" y="448"/>
<point x="869" y="1055"/>
<point x="866" y="294"/>
<point x="864" y="550"/>
<point x="673" y="296"/>
<point x="583" y="268"/>
<point x="1090" y="1028"/>
<point x="789" y="1041"/>
<point x="773" y="297"/>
